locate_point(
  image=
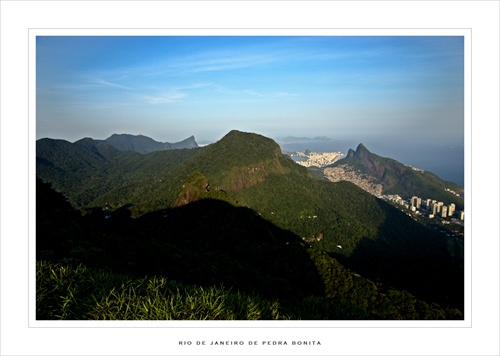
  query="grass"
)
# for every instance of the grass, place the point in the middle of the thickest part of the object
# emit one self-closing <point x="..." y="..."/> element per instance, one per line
<point x="80" y="293"/>
<point x="66" y="292"/>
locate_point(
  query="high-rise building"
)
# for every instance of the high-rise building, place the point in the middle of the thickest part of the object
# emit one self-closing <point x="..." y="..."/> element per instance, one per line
<point x="451" y="209"/>
<point x="416" y="202"/>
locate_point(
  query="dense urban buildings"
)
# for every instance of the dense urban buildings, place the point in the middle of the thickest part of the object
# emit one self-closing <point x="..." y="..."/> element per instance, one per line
<point x="418" y="205"/>
<point x="315" y="159"/>
<point x="431" y="208"/>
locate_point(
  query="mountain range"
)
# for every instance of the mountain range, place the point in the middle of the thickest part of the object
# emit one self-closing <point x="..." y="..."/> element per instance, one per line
<point x="241" y="213"/>
<point x="144" y="144"/>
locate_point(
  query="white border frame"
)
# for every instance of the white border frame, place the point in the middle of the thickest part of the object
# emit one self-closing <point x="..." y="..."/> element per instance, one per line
<point x="33" y="33"/>
<point x="17" y="17"/>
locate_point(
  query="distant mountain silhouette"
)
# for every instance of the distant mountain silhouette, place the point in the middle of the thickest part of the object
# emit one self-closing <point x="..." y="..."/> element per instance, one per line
<point x="144" y="144"/>
<point x="189" y="142"/>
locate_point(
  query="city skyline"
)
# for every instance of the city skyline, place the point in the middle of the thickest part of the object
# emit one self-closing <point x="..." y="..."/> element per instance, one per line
<point x="365" y="88"/>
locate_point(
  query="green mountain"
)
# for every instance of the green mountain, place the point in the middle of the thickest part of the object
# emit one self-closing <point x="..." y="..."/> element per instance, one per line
<point x="236" y="162"/>
<point x="240" y="160"/>
<point x="87" y="169"/>
<point x="401" y="179"/>
<point x="163" y="212"/>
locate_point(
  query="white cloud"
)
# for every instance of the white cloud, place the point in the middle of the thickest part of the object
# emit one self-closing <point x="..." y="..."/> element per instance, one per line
<point x="109" y="84"/>
<point x="163" y="98"/>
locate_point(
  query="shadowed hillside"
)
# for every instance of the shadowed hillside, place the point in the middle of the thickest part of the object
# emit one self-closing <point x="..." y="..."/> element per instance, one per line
<point x="206" y="259"/>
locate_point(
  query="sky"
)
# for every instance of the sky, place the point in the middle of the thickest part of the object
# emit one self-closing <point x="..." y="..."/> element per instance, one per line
<point x="170" y="88"/>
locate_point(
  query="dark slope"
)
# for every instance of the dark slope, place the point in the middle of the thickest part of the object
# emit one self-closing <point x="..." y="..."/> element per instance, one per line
<point x="397" y="178"/>
<point x="207" y="243"/>
<point x="214" y="242"/>
<point x="59" y="227"/>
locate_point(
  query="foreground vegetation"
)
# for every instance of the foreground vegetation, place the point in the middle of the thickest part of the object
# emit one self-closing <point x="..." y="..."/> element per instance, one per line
<point x="66" y="292"/>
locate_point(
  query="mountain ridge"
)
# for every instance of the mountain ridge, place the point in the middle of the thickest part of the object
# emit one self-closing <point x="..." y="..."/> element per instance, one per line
<point x="144" y="144"/>
<point x="399" y="178"/>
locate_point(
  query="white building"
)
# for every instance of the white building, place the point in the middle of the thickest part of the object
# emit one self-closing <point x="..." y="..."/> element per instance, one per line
<point x="444" y="211"/>
<point x="451" y="209"/>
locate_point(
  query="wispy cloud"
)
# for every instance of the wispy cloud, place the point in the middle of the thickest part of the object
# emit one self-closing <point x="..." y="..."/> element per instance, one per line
<point x="221" y="61"/>
<point x="253" y="93"/>
<point x="193" y="86"/>
<point x="106" y="83"/>
<point x="171" y="95"/>
<point x="206" y="61"/>
<point x="163" y="98"/>
<point x="199" y="63"/>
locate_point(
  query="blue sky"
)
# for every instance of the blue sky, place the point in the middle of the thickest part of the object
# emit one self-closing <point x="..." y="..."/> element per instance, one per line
<point x="365" y="89"/>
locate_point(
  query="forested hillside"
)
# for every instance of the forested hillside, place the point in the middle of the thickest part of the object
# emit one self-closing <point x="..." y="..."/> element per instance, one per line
<point x="86" y="170"/>
<point x="240" y="214"/>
